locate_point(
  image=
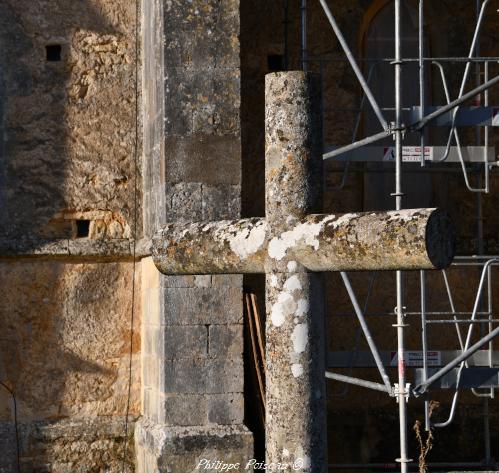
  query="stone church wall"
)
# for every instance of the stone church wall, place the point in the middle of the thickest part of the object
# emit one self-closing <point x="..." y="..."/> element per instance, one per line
<point x="67" y="184"/>
<point x="67" y="119"/>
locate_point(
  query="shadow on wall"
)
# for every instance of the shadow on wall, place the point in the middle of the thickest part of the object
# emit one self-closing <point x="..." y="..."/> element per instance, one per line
<point x="64" y="116"/>
<point x="58" y="154"/>
<point x="64" y="350"/>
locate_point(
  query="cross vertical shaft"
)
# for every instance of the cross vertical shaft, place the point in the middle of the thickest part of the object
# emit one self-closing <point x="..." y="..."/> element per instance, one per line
<point x="295" y="383"/>
<point x="292" y="245"/>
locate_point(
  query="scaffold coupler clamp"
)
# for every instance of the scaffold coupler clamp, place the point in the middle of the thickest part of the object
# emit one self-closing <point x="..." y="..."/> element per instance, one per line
<point x="392" y="128"/>
<point x="395" y="310"/>
<point x="404" y="391"/>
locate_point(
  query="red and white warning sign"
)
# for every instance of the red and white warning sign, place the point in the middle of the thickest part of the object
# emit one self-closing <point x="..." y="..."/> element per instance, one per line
<point x="410" y="154"/>
<point x="415" y="358"/>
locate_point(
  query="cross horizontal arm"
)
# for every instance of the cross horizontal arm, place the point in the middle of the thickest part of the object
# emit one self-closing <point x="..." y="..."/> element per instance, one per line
<point x="405" y="239"/>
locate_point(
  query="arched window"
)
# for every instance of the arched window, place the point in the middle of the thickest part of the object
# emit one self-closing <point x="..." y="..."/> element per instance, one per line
<point x="377" y="41"/>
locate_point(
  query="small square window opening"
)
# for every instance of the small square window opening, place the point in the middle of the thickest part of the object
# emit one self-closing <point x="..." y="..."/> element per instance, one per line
<point x="82" y="228"/>
<point x="53" y="52"/>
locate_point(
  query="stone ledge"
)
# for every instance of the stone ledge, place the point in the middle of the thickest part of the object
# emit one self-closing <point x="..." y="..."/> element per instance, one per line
<point x="179" y="449"/>
<point x="79" y="249"/>
<point x="68" y="445"/>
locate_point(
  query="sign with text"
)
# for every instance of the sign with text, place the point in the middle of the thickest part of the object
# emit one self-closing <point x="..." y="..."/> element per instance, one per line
<point x="415" y="358"/>
<point x="410" y="154"/>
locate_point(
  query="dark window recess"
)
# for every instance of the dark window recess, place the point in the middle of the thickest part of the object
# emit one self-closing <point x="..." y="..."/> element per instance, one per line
<point x="53" y="52"/>
<point x="275" y="62"/>
<point x="82" y="228"/>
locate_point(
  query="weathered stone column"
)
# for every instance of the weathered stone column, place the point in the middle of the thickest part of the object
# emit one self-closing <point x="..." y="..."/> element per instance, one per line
<point x="192" y="326"/>
<point x="295" y="384"/>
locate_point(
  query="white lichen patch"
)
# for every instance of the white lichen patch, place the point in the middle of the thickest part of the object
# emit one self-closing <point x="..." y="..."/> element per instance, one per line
<point x="208" y="226"/>
<point x="297" y="370"/>
<point x="284" y="306"/>
<point x="305" y="459"/>
<point x="292" y="284"/>
<point x="248" y="241"/>
<point x="292" y="266"/>
<point x="274" y="281"/>
<point x="285" y="452"/>
<point x="302" y="307"/>
<point x="299" y="337"/>
<point x="343" y="219"/>
<point x="305" y="232"/>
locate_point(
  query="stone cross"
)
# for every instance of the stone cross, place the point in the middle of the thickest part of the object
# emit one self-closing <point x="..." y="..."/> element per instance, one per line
<point x="292" y="246"/>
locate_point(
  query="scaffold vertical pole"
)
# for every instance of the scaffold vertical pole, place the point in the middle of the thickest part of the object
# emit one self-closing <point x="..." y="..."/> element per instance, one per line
<point x="402" y="390"/>
<point x="424" y="345"/>
<point x="304" y="35"/>
<point x="421" y="78"/>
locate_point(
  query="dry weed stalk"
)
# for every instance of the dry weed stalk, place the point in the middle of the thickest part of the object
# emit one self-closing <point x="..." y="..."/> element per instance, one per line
<point x="426" y="445"/>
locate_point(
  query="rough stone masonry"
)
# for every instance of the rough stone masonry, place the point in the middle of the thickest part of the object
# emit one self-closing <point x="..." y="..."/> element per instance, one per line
<point x="192" y="331"/>
<point x="291" y="245"/>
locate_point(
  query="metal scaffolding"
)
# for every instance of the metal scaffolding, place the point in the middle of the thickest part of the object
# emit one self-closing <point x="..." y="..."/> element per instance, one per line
<point x="466" y="367"/>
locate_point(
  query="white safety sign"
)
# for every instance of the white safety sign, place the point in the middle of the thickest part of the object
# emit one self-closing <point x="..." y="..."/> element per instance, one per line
<point x="415" y="358"/>
<point x="410" y="154"/>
